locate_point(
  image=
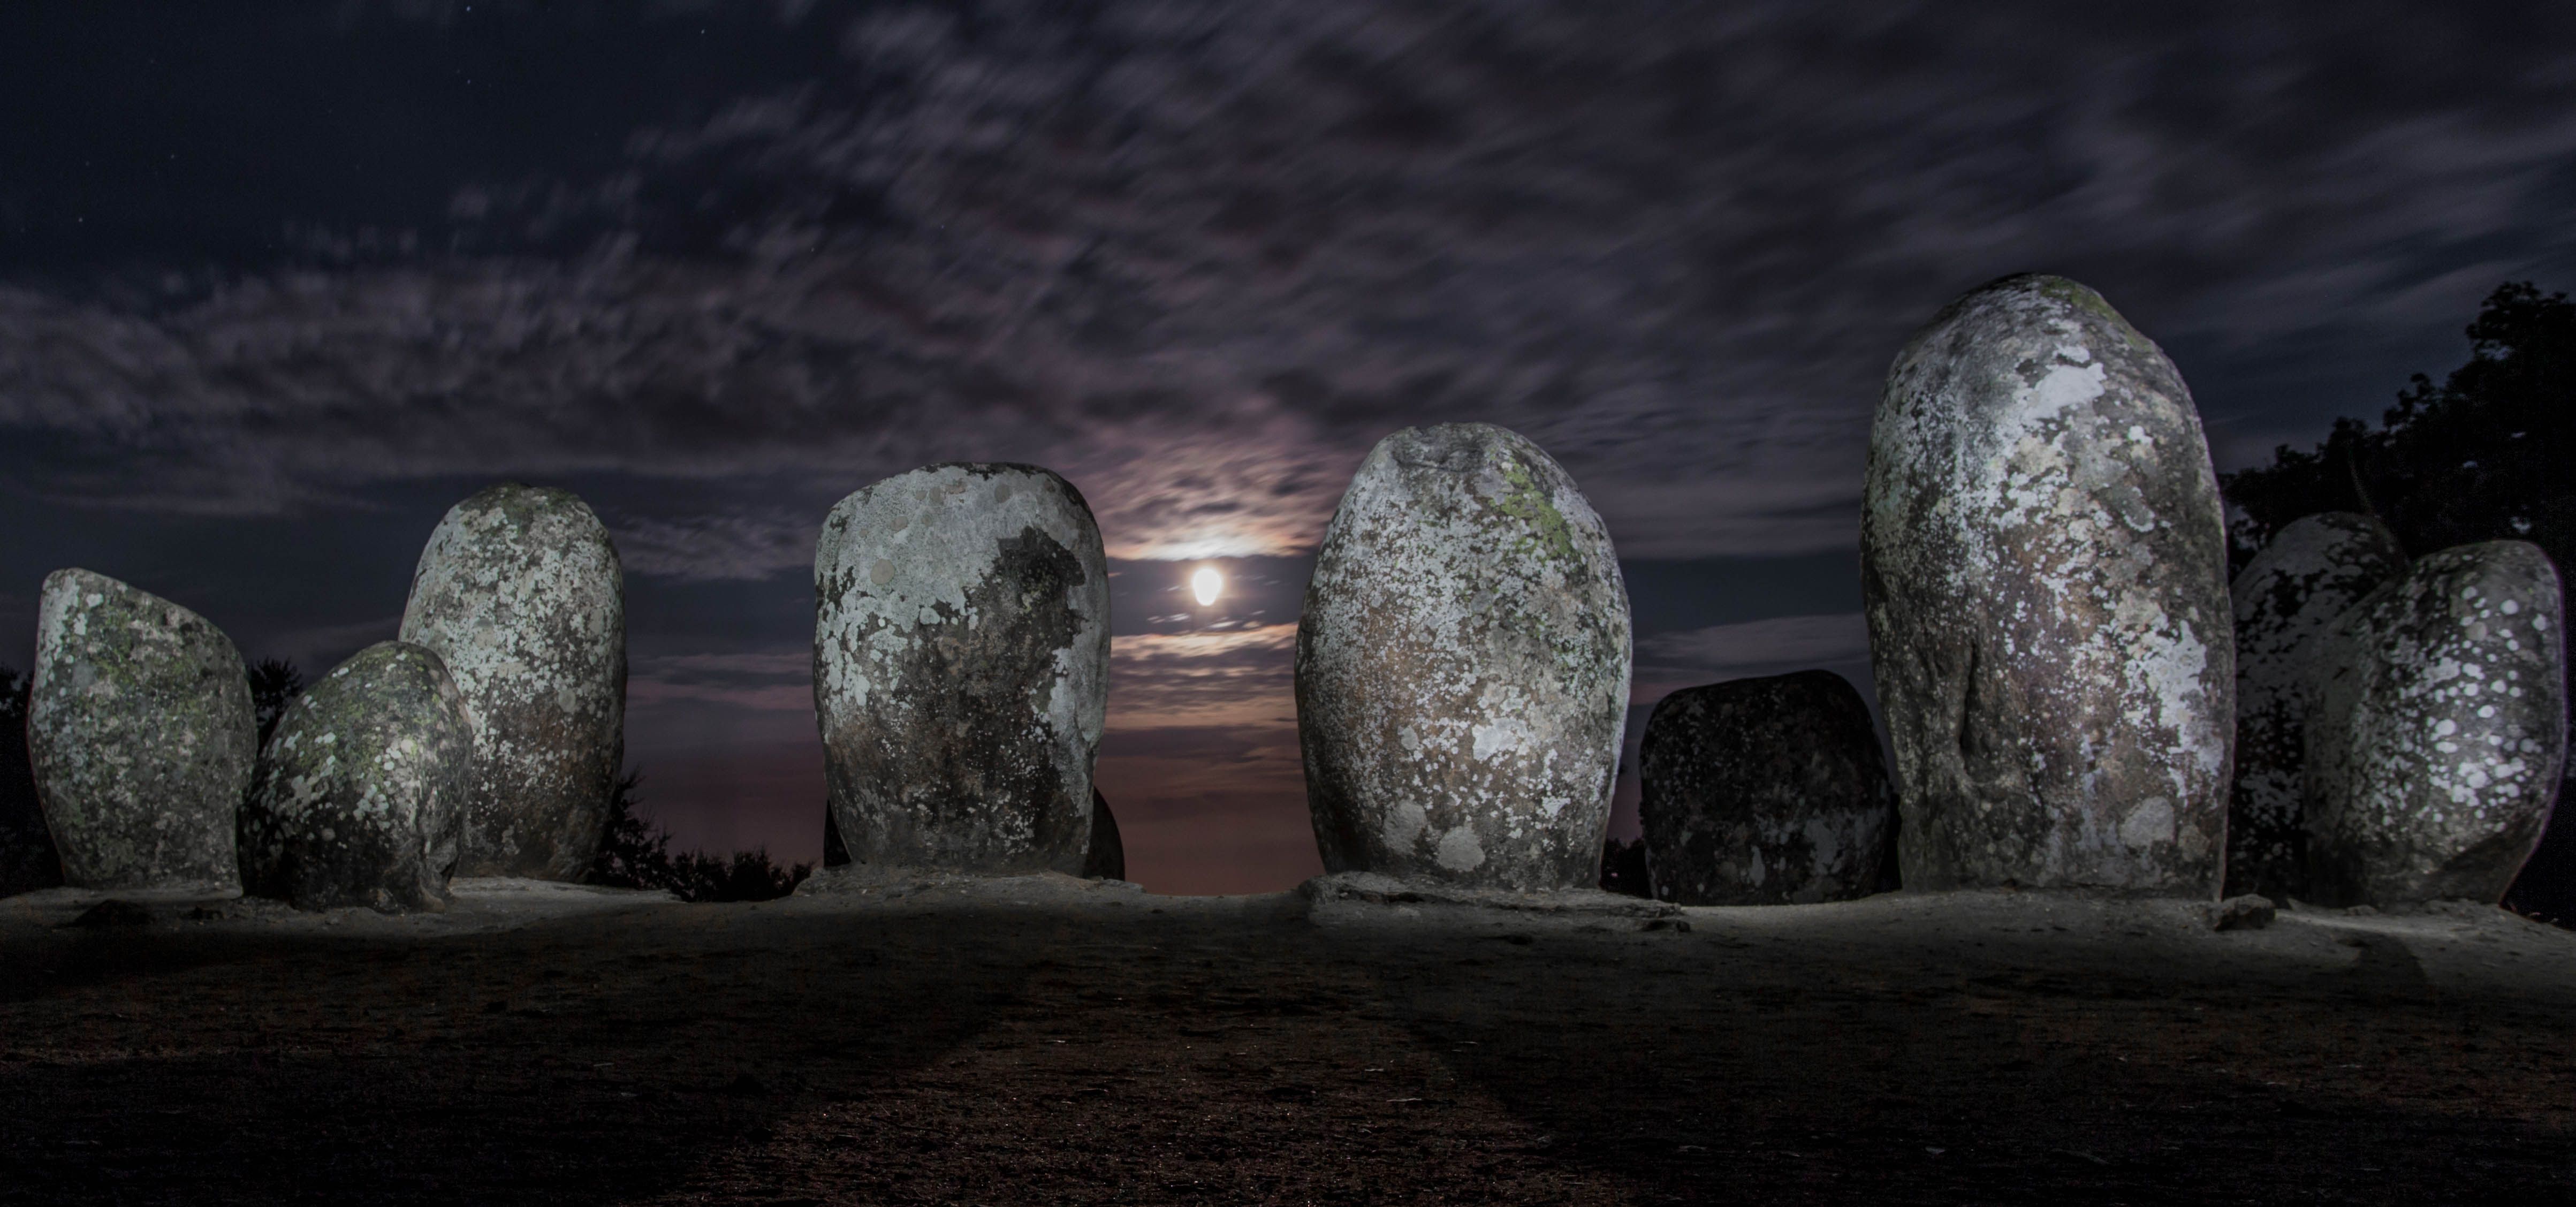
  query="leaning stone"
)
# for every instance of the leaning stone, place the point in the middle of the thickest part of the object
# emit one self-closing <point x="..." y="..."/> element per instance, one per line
<point x="2311" y="571"/>
<point x="521" y="594"/>
<point x="961" y="668"/>
<point x="1107" y="858"/>
<point x="1765" y="791"/>
<point x="2441" y="726"/>
<point x="2044" y="569"/>
<point x="1462" y="667"/>
<point x="361" y="791"/>
<point x="140" y="734"/>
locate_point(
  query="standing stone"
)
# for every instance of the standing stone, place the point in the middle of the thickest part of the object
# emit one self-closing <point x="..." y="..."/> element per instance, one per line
<point x="361" y="792"/>
<point x="140" y="733"/>
<point x="1765" y="791"/>
<point x="2440" y="728"/>
<point x="1462" y="667"/>
<point x="1107" y="859"/>
<point x="2043" y="562"/>
<point x="2311" y="571"/>
<point x="520" y="593"/>
<point x="961" y="668"/>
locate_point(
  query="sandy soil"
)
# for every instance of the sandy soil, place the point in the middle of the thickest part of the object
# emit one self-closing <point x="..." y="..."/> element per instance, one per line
<point x="1045" y="1040"/>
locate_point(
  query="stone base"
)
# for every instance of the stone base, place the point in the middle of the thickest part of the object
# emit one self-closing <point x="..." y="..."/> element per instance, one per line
<point x="1370" y="888"/>
<point x="890" y="882"/>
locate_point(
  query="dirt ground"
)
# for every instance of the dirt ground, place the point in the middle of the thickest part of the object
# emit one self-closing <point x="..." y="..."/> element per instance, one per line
<point x="1051" y="1041"/>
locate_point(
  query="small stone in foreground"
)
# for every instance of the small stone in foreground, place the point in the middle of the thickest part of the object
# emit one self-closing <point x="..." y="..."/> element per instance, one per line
<point x="140" y="734"/>
<point x="361" y="792"/>
<point x="2247" y="911"/>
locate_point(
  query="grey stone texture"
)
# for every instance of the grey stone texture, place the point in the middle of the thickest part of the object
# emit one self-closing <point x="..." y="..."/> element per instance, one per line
<point x="1767" y="791"/>
<point x="1462" y="667"/>
<point x="2044" y="572"/>
<point x="361" y="792"/>
<point x="961" y="669"/>
<point x="521" y="594"/>
<point x="2441" y="725"/>
<point x="1107" y="856"/>
<point x="2298" y="584"/>
<point x="140" y="734"/>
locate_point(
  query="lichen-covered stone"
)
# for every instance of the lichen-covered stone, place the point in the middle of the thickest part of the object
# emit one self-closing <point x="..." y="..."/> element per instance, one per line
<point x="361" y="792"/>
<point x="1462" y="667"/>
<point x="2311" y="571"/>
<point x="140" y="733"/>
<point x="1107" y="859"/>
<point x="2044" y="570"/>
<point x="961" y="668"/>
<point x="2441" y="725"/>
<point x="1766" y="791"/>
<point x="521" y="594"/>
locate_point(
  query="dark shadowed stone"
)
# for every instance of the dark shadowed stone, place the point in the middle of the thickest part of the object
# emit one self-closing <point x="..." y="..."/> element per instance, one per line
<point x="835" y="853"/>
<point x="961" y="668"/>
<point x="361" y="793"/>
<point x="1462" y="667"/>
<point x="1107" y="859"/>
<point x="2441" y="724"/>
<point x="1765" y="791"/>
<point x="2044" y="569"/>
<point x="520" y="593"/>
<point x="2311" y="571"/>
<point x="140" y="734"/>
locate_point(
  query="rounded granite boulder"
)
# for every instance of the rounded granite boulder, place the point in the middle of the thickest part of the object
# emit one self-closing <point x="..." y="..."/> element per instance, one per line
<point x="361" y="792"/>
<point x="1462" y="667"/>
<point x="1767" y="791"/>
<point x="521" y="594"/>
<point x="2044" y="569"/>
<point x="2297" y="585"/>
<point x="2441" y="725"/>
<point x="140" y="735"/>
<point x="961" y="669"/>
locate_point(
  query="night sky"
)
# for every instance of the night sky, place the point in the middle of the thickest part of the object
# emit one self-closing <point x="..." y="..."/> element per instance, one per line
<point x="280" y="283"/>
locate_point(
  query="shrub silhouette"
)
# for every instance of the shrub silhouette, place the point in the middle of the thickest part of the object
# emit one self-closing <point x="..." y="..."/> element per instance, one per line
<point x="27" y="860"/>
<point x="634" y="853"/>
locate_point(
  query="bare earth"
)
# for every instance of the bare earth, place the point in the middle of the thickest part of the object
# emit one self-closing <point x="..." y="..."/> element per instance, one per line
<point x="1048" y="1040"/>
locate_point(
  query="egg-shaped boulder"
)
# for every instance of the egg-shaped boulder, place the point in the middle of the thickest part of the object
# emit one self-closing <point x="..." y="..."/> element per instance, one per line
<point x="361" y="792"/>
<point x="2441" y="726"/>
<point x="961" y="669"/>
<point x="1766" y="791"/>
<point x="2044" y="569"/>
<point x="2301" y="580"/>
<point x="1462" y="667"/>
<point x="140" y="735"/>
<point x="520" y="593"/>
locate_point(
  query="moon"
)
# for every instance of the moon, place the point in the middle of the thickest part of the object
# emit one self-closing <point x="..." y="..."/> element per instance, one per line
<point x="1207" y="584"/>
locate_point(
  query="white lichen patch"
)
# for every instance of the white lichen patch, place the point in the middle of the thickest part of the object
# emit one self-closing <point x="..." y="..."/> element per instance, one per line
<point x="2044" y="570"/>
<point x="1462" y="666"/>
<point x="961" y="653"/>
<point x="520" y="593"/>
<point x="140" y="735"/>
<point x="2433" y="757"/>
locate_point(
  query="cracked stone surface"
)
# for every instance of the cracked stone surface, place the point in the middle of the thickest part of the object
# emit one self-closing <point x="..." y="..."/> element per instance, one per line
<point x="2310" y="572"/>
<point x="961" y="669"/>
<point x="521" y="594"/>
<point x="2044" y="572"/>
<point x="1462" y="667"/>
<point x="2441" y="726"/>
<point x="1766" y="791"/>
<point x="361" y="792"/>
<point x="140" y="735"/>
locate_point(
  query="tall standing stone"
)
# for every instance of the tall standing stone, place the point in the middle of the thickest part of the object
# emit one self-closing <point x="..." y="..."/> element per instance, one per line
<point x="1767" y="791"/>
<point x="520" y="593"/>
<point x="1462" y="667"/>
<point x="2302" y="580"/>
<point x="361" y="792"/>
<point x="2044" y="569"/>
<point x="2440" y="729"/>
<point x="961" y="668"/>
<point x="140" y="733"/>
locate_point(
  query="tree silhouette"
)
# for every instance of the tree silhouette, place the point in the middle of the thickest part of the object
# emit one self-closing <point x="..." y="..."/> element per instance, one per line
<point x="634" y="853"/>
<point x="2488" y="454"/>
<point x="274" y="684"/>
<point x="27" y="859"/>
